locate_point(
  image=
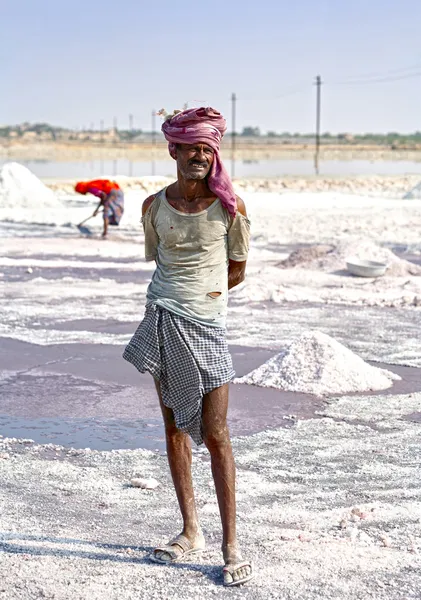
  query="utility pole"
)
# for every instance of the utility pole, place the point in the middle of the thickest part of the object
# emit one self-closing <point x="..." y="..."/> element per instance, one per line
<point x="153" y="115"/>
<point x="318" y="104"/>
<point x="101" y="130"/>
<point x="153" y="127"/>
<point x="233" y="133"/>
<point x="131" y="122"/>
<point x="115" y="123"/>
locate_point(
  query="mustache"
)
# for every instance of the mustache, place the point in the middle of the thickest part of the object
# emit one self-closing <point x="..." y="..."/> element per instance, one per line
<point x="199" y="163"/>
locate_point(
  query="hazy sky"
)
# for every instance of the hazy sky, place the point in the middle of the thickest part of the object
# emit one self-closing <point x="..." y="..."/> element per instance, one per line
<point x="75" y="62"/>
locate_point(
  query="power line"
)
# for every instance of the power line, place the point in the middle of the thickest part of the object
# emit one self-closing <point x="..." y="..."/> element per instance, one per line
<point x="367" y="78"/>
<point x="293" y="92"/>
<point x="381" y="74"/>
<point x="379" y="80"/>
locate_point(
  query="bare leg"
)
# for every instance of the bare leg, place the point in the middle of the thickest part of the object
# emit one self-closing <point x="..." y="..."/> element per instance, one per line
<point x="179" y="459"/>
<point x="217" y="440"/>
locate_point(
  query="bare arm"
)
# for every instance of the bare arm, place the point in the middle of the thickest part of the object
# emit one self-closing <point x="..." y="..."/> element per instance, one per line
<point x="97" y="208"/>
<point x="151" y="237"/>
<point x="105" y="230"/>
<point x="237" y="270"/>
<point x="102" y="196"/>
<point x="146" y="204"/>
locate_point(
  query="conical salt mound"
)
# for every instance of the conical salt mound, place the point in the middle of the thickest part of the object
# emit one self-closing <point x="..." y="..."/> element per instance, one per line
<point x="20" y="188"/>
<point x="317" y="364"/>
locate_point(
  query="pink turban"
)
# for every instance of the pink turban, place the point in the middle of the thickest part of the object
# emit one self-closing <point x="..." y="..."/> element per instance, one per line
<point x="208" y="126"/>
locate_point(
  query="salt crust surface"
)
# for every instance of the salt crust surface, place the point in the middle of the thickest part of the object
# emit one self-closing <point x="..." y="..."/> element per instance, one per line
<point x="326" y="509"/>
<point x="317" y="364"/>
<point x="315" y="502"/>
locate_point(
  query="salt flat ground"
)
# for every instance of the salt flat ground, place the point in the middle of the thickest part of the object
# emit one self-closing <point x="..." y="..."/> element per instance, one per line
<point x="328" y="508"/>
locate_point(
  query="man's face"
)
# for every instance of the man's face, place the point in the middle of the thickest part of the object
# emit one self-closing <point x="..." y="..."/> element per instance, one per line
<point x="194" y="160"/>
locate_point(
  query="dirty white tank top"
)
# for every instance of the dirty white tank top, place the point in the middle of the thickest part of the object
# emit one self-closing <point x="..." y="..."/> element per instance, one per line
<point x="191" y="251"/>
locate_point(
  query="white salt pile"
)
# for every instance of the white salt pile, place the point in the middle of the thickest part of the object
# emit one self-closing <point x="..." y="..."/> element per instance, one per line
<point x="317" y="364"/>
<point x="327" y="258"/>
<point x="21" y="189"/>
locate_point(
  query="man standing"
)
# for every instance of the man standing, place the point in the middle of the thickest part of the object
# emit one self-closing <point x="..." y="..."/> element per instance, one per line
<point x="198" y="233"/>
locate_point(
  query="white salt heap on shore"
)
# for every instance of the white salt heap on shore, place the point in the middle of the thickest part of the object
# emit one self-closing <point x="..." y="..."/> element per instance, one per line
<point x="325" y="258"/>
<point x="317" y="364"/>
<point x="21" y="189"/>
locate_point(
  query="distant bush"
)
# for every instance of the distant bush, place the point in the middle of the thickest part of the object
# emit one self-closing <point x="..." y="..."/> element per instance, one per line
<point x="250" y="132"/>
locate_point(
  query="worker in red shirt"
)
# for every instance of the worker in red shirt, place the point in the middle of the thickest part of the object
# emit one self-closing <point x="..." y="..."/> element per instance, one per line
<point x="111" y="199"/>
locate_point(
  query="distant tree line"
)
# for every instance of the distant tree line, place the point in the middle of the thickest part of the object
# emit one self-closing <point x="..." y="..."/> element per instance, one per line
<point x="367" y="138"/>
<point x="53" y="132"/>
<point x="390" y="138"/>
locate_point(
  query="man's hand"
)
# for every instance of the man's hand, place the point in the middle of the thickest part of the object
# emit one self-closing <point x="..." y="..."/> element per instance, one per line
<point x="237" y="270"/>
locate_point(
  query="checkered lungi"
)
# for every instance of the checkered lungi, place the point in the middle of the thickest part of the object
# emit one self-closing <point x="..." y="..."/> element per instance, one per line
<point x="187" y="358"/>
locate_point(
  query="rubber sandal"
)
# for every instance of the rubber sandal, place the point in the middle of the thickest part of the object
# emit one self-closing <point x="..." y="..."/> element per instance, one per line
<point x="187" y="547"/>
<point x="230" y="569"/>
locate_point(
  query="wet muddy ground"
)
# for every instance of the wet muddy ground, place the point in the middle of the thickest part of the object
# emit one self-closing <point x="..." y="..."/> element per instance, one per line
<point x="87" y="396"/>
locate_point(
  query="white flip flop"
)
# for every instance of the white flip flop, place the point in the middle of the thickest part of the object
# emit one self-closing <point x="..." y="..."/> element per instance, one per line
<point x="230" y="569"/>
<point x="188" y="549"/>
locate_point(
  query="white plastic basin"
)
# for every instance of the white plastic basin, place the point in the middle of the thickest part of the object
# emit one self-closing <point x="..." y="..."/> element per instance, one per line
<point x="365" y="268"/>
